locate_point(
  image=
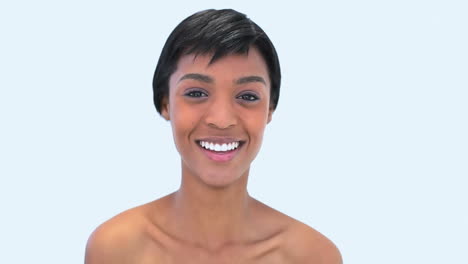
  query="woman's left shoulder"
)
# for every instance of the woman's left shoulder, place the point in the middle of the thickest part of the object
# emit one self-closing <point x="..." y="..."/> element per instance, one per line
<point x="304" y="244"/>
<point x="298" y="242"/>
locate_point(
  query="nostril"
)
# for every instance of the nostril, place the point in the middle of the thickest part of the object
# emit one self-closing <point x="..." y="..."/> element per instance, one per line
<point x="221" y="126"/>
<point x="221" y="116"/>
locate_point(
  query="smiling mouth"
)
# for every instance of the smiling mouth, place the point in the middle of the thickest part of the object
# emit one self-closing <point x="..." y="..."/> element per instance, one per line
<point x="220" y="151"/>
<point x="220" y="147"/>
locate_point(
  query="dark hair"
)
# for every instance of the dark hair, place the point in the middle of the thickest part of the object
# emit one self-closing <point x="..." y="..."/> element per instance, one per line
<point x="220" y="32"/>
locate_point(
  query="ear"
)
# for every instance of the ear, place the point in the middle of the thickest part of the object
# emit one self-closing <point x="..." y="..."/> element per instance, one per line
<point x="165" y="108"/>
<point x="270" y="114"/>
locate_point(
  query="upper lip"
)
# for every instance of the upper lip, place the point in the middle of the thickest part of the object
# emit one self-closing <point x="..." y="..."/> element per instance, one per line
<point x="219" y="140"/>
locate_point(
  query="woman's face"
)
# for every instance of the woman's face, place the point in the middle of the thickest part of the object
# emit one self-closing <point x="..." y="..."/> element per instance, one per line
<point x="218" y="113"/>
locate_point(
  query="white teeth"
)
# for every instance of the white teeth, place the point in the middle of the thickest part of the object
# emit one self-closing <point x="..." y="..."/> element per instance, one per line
<point x="219" y="147"/>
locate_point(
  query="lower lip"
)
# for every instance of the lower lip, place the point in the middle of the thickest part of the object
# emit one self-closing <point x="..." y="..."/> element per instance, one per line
<point x="220" y="156"/>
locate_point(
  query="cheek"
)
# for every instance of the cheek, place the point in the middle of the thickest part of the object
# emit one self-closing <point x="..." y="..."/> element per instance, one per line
<point x="256" y="123"/>
<point x="183" y="119"/>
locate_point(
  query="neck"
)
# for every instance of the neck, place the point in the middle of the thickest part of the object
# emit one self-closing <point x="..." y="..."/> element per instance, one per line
<point x="211" y="216"/>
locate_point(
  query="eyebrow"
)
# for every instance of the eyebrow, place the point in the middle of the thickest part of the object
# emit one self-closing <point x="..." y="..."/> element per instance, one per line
<point x="250" y="79"/>
<point x="208" y="79"/>
<point x="197" y="77"/>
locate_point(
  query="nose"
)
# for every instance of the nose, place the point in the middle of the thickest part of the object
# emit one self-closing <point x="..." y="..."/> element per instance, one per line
<point x="221" y="114"/>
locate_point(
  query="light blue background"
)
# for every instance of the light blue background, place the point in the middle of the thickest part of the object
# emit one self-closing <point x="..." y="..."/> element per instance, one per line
<point x="368" y="144"/>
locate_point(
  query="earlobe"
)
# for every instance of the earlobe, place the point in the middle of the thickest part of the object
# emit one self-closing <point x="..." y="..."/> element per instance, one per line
<point x="270" y="115"/>
<point x="165" y="109"/>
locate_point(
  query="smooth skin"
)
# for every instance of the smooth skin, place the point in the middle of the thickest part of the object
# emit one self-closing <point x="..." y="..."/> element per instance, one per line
<point x="212" y="218"/>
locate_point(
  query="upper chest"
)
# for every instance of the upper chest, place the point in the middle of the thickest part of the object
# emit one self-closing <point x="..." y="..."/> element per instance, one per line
<point x="265" y="252"/>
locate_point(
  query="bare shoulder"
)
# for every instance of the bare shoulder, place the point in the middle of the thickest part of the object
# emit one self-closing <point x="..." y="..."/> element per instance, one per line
<point x="304" y="244"/>
<point x="117" y="240"/>
<point x="300" y="243"/>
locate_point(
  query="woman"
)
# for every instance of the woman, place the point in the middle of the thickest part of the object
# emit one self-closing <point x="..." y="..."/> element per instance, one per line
<point x="217" y="81"/>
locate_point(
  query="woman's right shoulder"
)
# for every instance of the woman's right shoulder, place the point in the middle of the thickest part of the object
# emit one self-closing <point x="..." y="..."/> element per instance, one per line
<point x="117" y="239"/>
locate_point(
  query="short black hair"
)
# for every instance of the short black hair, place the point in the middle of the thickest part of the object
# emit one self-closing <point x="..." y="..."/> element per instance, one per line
<point x="218" y="32"/>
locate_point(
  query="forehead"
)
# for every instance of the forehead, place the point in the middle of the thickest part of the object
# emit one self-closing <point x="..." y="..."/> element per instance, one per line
<point x="227" y="68"/>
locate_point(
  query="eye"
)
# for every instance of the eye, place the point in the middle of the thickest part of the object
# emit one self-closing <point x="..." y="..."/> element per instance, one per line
<point x="248" y="97"/>
<point x="195" y="94"/>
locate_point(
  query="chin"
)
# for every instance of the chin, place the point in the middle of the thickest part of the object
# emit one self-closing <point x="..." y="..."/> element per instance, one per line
<point x="219" y="180"/>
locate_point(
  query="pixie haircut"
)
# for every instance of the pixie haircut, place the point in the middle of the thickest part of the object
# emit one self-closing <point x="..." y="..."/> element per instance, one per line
<point x="220" y="33"/>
